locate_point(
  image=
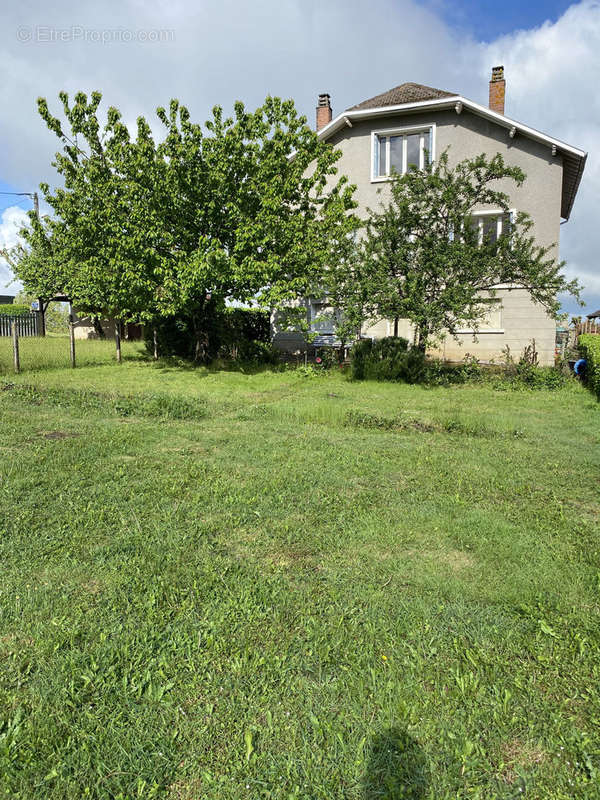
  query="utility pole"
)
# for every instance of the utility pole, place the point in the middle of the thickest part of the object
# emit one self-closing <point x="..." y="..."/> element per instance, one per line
<point x="36" y="207"/>
<point x="41" y="309"/>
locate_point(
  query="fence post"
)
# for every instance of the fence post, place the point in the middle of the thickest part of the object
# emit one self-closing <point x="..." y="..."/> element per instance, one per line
<point x="118" y="339"/>
<point x="71" y="336"/>
<point x="15" y="338"/>
<point x="155" y="340"/>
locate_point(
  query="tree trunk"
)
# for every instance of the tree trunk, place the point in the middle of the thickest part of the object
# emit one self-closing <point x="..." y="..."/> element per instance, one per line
<point x="201" y="346"/>
<point x="396" y="327"/>
<point x="421" y="333"/>
<point x="98" y="327"/>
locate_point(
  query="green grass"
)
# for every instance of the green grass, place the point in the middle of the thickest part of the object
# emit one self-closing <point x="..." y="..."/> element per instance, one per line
<point x="229" y="585"/>
<point x="52" y="352"/>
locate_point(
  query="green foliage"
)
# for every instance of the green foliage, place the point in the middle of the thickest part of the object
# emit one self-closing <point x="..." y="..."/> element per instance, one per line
<point x="387" y="359"/>
<point x="144" y="229"/>
<point x="231" y="333"/>
<point x="269" y="596"/>
<point x="56" y="316"/>
<point x="529" y="376"/>
<point x="526" y="374"/>
<point x="390" y="359"/>
<point x="329" y="357"/>
<point x="589" y="344"/>
<point x="14" y="308"/>
<point x="422" y="259"/>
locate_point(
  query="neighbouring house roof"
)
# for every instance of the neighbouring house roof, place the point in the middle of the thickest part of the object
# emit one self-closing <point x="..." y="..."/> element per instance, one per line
<point x="594" y="314"/>
<point x="405" y="93"/>
<point x="413" y="97"/>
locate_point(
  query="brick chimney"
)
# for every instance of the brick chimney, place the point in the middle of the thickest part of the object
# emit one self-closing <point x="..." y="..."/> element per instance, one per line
<point x="324" y="113"/>
<point x="497" y="90"/>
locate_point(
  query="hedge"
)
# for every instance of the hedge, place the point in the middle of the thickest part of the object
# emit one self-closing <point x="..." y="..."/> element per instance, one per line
<point x="589" y="344"/>
<point x="233" y="333"/>
<point x="387" y="359"/>
<point x="13" y="309"/>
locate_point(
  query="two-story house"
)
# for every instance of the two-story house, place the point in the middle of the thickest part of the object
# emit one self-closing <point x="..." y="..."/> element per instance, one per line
<point x="397" y="128"/>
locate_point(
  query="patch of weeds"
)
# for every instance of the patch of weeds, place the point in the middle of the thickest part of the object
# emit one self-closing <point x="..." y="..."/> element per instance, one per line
<point x="466" y="429"/>
<point x="253" y="412"/>
<point x="141" y="405"/>
<point x="309" y="371"/>
<point x="362" y="419"/>
<point x="59" y="435"/>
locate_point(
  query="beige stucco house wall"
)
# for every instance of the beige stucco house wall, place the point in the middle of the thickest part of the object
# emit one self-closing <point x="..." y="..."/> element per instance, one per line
<point x="458" y="126"/>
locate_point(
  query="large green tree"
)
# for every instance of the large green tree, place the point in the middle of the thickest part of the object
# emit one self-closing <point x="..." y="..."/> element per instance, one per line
<point x="422" y="258"/>
<point x="247" y="208"/>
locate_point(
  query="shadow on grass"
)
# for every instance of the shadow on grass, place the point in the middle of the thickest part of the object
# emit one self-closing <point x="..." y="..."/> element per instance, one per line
<point x="397" y="768"/>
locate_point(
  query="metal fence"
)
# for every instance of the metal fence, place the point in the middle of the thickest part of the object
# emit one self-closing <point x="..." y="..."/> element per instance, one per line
<point x="27" y="324"/>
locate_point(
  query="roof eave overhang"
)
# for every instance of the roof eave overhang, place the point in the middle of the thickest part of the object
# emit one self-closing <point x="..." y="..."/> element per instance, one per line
<point x="580" y="156"/>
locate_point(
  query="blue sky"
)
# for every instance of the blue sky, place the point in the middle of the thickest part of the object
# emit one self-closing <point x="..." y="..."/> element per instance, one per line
<point x="6" y="201"/>
<point x="488" y="20"/>
<point x="220" y="51"/>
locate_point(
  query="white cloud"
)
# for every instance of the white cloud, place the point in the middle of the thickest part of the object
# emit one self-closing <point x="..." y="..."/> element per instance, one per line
<point x="223" y="50"/>
<point x="551" y="85"/>
<point x="11" y="221"/>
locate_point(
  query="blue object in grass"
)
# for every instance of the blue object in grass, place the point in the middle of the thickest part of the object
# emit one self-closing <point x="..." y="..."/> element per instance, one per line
<point x="579" y="367"/>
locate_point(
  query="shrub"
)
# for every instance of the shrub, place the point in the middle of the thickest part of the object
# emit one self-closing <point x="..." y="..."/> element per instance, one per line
<point x="255" y="351"/>
<point x="12" y="309"/>
<point x="526" y="374"/>
<point x="329" y="357"/>
<point x="391" y="359"/>
<point x="232" y="333"/>
<point x="531" y="376"/>
<point x="387" y="359"/>
<point x="589" y="344"/>
<point x="361" y="353"/>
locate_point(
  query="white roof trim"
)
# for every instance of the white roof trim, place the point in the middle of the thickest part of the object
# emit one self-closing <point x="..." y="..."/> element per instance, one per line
<point x="450" y="102"/>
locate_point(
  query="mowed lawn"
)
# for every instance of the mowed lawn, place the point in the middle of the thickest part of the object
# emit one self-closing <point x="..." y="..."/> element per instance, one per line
<point x="227" y="585"/>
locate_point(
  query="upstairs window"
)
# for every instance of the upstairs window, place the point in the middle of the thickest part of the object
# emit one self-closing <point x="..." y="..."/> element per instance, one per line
<point x="400" y="150"/>
<point x="490" y="225"/>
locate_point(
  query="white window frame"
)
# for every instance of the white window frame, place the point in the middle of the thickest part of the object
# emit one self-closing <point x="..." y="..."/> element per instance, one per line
<point x="479" y="215"/>
<point x="485" y="331"/>
<point x="493" y="213"/>
<point x="404" y="131"/>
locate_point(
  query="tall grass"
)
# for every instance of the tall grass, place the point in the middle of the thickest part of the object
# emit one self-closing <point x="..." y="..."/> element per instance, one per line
<point x="52" y="352"/>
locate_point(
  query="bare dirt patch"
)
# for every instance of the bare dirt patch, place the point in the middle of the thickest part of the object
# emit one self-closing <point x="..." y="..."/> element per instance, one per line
<point x="457" y="559"/>
<point x="52" y="435"/>
<point x="517" y="754"/>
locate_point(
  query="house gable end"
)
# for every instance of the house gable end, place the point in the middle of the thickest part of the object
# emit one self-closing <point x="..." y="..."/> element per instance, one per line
<point x="573" y="159"/>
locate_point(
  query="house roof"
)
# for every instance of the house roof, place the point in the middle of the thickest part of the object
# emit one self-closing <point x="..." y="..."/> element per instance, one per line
<point x="398" y="101"/>
<point x="594" y="314"/>
<point x="405" y="93"/>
